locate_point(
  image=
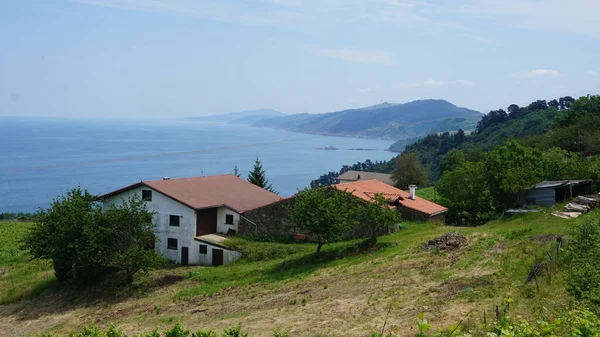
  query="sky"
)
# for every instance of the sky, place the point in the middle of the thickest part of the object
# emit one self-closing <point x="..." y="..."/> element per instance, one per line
<point x="177" y="58"/>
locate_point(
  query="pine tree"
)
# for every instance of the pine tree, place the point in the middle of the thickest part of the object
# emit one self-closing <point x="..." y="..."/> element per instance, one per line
<point x="236" y="171"/>
<point x="257" y="177"/>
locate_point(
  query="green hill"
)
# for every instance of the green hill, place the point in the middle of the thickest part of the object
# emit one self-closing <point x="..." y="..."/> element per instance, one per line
<point x="385" y="120"/>
<point x="349" y="291"/>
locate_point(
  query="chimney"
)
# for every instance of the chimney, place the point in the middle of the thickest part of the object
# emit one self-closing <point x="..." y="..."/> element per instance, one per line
<point x="358" y="177"/>
<point x="412" y="189"/>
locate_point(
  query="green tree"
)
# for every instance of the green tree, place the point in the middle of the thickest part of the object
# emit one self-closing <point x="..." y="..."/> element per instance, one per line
<point x="453" y="159"/>
<point x="376" y="217"/>
<point x="236" y="171"/>
<point x="409" y="171"/>
<point x="85" y="243"/>
<point x="324" y="213"/>
<point x="510" y="170"/>
<point x="466" y="193"/>
<point x="258" y="177"/>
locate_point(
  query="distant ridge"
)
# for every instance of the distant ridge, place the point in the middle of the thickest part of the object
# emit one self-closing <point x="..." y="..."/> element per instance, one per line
<point x="385" y="120"/>
<point x="241" y="117"/>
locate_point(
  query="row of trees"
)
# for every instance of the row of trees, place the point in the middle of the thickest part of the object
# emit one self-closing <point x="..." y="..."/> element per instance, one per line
<point x="330" y="177"/>
<point x="328" y="214"/>
<point x="476" y="190"/>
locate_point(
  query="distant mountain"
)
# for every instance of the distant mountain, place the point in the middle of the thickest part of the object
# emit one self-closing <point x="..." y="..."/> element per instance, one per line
<point x="385" y="120"/>
<point x="242" y="117"/>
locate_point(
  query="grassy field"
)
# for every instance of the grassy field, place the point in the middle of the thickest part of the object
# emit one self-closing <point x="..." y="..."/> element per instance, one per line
<point x="348" y="291"/>
<point x="20" y="277"/>
<point x="427" y="193"/>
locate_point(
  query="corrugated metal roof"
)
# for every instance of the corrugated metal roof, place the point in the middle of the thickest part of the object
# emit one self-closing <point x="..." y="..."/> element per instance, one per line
<point x="366" y="189"/>
<point x="559" y="183"/>
<point x="208" y="192"/>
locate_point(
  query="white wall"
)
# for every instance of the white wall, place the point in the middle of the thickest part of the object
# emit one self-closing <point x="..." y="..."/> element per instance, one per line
<point x="164" y="206"/>
<point x="221" y="226"/>
<point x="206" y="259"/>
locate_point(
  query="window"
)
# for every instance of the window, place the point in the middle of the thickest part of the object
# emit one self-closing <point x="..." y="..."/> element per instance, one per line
<point x="174" y="220"/>
<point x="203" y="249"/>
<point x="172" y="243"/>
<point x="147" y="195"/>
<point x="229" y="219"/>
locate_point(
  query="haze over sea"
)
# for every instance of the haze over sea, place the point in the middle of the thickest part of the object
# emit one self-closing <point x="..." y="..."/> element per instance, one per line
<point x="42" y="158"/>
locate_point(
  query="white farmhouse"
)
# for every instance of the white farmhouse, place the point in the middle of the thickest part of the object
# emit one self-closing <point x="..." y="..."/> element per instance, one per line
<point x="193" y="215"/>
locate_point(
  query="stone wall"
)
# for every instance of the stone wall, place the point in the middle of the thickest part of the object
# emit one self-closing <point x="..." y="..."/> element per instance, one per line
<point x="269" y="219"/>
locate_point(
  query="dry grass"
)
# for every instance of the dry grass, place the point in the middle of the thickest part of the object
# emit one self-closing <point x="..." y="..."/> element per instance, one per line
<point x="346" y="293"/>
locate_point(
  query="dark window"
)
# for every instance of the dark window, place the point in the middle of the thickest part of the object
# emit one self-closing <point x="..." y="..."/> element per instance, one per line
<point x="229" y="219"/>
<point x="147" y="195"/>
<point x="172" y="243"/>
<point x="174" y="220"/>
<point x="203" y="249"/>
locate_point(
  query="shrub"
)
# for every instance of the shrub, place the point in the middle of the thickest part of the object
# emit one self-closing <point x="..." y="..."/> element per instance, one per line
<point x="583" y="270"/>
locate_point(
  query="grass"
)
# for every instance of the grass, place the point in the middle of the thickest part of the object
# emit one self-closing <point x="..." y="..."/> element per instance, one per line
<point x="350" y="287"/>
<point x="19" y="276"/>
<point x="427" y="193"/>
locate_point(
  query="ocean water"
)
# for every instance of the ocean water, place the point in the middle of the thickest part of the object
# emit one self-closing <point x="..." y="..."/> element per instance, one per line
<point x="43" y="158"/>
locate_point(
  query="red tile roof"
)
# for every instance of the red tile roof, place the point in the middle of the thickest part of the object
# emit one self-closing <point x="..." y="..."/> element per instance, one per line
<point x="366" y="189"/>
<point x="208" y="192"/>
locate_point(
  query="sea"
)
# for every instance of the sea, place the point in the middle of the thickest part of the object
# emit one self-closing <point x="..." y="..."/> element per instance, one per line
<point x="42" y="158"/>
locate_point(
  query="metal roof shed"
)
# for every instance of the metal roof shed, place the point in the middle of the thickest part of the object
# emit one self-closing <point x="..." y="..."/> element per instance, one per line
<point x="548" y="193"/>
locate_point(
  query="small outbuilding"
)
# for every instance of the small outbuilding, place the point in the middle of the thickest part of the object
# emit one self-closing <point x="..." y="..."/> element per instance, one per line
<point x="548" y="193"/>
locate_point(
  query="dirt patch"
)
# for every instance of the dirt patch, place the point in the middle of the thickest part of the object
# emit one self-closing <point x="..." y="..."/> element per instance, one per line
<point x="169" y="279"/>
<point x="545" y="238"/>
<point x="2" y="271"/>
<point x="454" y="287"/>
<point x="448" y="242"/>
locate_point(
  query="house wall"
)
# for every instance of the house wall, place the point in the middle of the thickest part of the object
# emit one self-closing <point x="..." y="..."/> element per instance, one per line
<point x="413" y="215"/>
<point x="163" y="206"/>
<point x="221" y="215"/>
<point x="539" y="196"/>
<point x="229" y="255"/>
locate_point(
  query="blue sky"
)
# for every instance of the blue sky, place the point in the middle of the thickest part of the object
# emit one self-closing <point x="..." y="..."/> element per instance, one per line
<point x="174" y="58"/>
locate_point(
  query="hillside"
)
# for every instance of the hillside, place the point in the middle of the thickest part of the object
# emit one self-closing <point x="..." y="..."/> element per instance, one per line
<point x="528" y="124"/>
<point x="248" y="117"/>
<point x="347" y="292"/>
<point x="385" y="120"/>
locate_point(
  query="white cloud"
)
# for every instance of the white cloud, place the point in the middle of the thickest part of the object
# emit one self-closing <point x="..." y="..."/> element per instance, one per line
<point x="365" y="90"/>
<point x="367" y="56"/>
<point x="592" y="73"/>
<point x="536" y="73"/>
<point x="477" y="38"/>
<point x="463" y="83"/>
<point x="573" y="16"/>
<point x="433" y="83"/>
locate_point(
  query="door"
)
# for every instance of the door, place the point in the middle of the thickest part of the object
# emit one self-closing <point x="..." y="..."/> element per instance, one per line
<point x="217" y="257"/>
<point x="206" y="221"/>
<point x="184" y="256"/>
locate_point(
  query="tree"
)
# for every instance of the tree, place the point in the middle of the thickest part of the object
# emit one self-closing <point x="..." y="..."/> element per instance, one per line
<point x="466" y="193"/>
<point x="554" y="103"/>
<point x="565" y="102"/>
<point x="510" y="170"/>
<point x="257" y="177"/>
<point x="513" y="110"/>
<point x="236" y="171"/>
<point x="538" y="105"/>
<point x="377" y="217"/>
<point x="324" y="213"/>
<point x="453" y="159"/>
<point x="409" y="171"/>
<point x="84" y="243"/>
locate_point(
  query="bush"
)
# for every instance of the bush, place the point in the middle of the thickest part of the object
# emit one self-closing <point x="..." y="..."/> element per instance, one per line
<point x="583" y="270"/>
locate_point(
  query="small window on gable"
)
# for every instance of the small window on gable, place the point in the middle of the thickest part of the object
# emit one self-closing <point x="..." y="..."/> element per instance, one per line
<point x="172" y="243"/>
<point x="203" y="249"/>
<point x="174" y="220"/>
<point x="147" y="195"/>
<point x="229" y="219"/>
